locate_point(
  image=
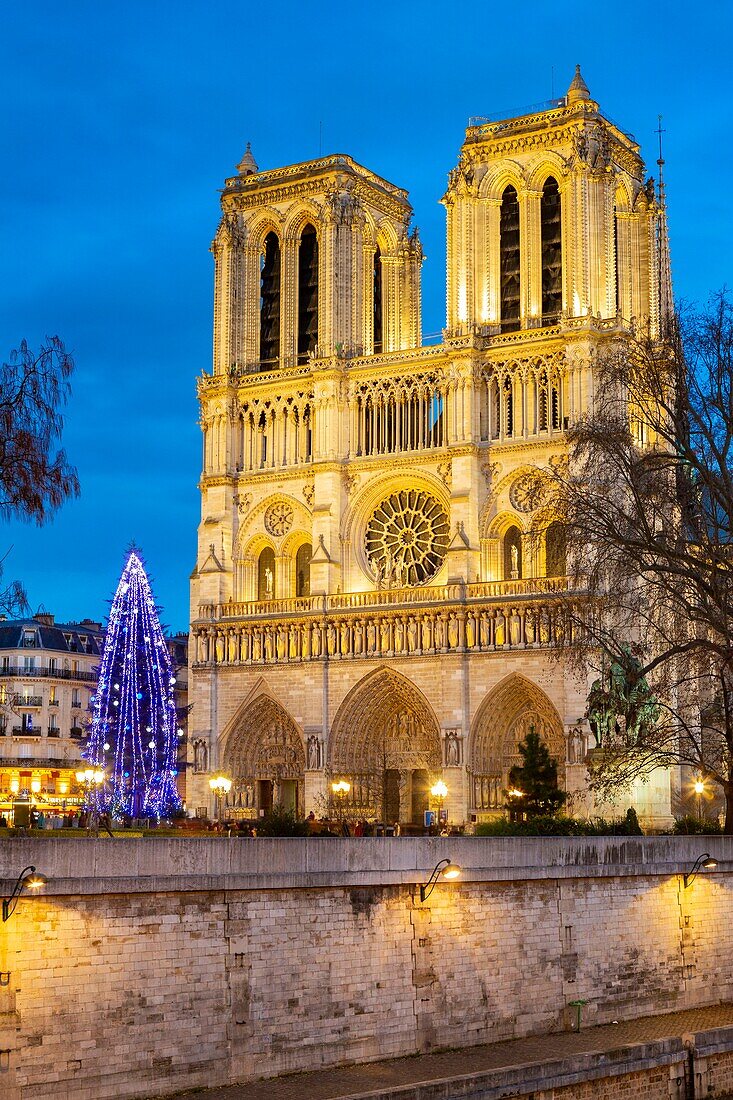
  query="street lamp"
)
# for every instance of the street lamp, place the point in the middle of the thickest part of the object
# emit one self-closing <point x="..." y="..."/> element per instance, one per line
<point x="29" y="878"/>
<point x="443" y="867"/>
<point x="699" y="791"/>
<point x="704" y="862"/>
<point x="221" y="786"/>
<point x="439" y="791"/>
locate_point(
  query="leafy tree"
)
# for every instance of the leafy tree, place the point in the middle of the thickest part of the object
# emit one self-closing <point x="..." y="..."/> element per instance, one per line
<point x="35" y="476"/>
<point x="536" y="779"/>
<point x="646" y="499"/>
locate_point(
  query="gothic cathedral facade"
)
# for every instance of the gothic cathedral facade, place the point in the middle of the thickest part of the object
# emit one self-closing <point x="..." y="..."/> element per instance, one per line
<point x="367" y="604"/>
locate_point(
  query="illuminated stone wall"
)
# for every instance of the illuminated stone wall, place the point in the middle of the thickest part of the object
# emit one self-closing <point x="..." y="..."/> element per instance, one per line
<point x="157" y="965"/>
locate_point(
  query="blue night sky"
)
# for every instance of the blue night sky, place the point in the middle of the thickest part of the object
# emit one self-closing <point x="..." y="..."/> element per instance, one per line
<point x="120" y="123"/>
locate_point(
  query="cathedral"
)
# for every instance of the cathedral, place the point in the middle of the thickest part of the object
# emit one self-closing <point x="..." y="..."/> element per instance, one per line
<point x="369" y="607"/>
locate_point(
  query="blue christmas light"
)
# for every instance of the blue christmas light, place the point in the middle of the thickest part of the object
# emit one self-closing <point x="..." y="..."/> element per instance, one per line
<point x="141" y="774"/>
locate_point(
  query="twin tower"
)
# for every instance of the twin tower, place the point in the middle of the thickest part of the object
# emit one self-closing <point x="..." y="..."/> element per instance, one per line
<point x="548" y="218"/>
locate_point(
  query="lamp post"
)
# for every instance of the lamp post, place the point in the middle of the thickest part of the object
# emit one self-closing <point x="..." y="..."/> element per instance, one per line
<point x="29" y="878"/>
<point x="90" y="780"/>
<point x="439" y="792"/>
<point x="705" y="862"/>
<point x="699" y="791"/>
<point x="340" y="788"/>
<point x="221" y="786"/>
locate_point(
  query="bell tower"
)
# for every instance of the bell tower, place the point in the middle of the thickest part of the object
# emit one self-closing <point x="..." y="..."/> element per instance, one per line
<point x="313" y="260"/>
<point x="550" y="220"/>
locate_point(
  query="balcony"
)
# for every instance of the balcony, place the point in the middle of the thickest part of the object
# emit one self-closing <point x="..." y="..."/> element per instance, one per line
<point x="46" y="673"/>
<point x="76" y="705"/>
<point x="53" y="702"/>
<point x="76" y="732"/>
<point x="54" y="731"/>
<point x="20" y="731"/>
<point x="456" y="618"/>
<point x="28" y="700"/>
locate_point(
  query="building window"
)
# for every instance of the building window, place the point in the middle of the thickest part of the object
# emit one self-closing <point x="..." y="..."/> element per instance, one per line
<point x="509" y="259"/>
<point x="551" y="252"/>
<point x="29" y="638"/>
<point x="307" y="293"/>
<point x="302" y="570"/>
<point x="266" y="575"/>
<point x="29" y="663"/>
<point x="556" y="550"/>
<point x="512" y="554"/>
<point x="270" y="303"/>
<point x="378" y="339"/>
<point x="52" y="664"/>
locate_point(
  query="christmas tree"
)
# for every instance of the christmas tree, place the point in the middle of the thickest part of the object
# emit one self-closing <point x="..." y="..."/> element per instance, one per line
<point x="133" y="735"/>
<point x="534" y="787"/>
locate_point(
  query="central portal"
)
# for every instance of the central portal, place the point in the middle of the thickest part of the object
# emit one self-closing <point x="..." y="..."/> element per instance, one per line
<point x="386" y="742"/>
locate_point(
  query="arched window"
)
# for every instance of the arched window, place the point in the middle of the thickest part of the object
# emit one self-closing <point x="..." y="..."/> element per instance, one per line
<point x="509" y="259"/>
<point x="508" y="391"/>
<point x="512" y="554"/>
<point x="307" y="293"/>
<point x="556" y="550"/>
<point x="378" y="339"/>
<point x="551" y="252"/>
<point x="302" y="570"/>
<point x="270" y="303"/>
<point x="266" y="575"/>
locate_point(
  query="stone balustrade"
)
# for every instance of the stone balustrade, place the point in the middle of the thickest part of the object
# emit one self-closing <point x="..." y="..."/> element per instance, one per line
<point x="385" y="623"/>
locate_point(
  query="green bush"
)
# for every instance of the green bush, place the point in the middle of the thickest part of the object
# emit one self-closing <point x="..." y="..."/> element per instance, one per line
<point x="281" y="822"/>
<point x="549" y="825"/>
<point x="690" y="824"/>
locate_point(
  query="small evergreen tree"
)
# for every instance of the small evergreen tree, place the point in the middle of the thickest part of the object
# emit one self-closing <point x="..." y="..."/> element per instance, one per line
<point x="534" y="781"/>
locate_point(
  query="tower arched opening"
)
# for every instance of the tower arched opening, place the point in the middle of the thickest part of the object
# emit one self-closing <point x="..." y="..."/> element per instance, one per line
<point x="265" y="758"/>
<point x="551" y="232"/>
<point x="307" y="293"/>
<point x="509" y="260"/>
<point x="270" y="303"/>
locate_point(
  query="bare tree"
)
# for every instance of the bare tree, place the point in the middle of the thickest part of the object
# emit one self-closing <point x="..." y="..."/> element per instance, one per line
<point x="35" y="476"/>
<point x="646" y="498"/>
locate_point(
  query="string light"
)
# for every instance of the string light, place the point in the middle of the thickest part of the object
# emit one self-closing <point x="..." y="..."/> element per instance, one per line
<point x="136" y="662"/>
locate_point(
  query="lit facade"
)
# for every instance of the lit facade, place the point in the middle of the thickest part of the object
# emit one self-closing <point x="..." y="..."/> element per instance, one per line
<point x="367" y="602"/>
<point x="47" y="673"/>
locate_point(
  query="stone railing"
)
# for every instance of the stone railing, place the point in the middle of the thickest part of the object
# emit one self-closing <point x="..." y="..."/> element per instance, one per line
<point x="402" y="622"/>
<point x="384" y="597"/>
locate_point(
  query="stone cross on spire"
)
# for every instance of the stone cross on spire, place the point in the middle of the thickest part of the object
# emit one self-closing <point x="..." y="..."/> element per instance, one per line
<point x="578" y="88"/>
<point x="247" y="165"/>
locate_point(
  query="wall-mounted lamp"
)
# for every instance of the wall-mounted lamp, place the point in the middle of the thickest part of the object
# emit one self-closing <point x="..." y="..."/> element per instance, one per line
<point x="443" y="867"/>
<point x="29" y="878"/>
<point x="705" y="862"/>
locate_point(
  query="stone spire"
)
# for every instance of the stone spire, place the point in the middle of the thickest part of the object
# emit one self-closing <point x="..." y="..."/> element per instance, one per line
<point x="578" y="88"/>
<point x="247" y="165"/>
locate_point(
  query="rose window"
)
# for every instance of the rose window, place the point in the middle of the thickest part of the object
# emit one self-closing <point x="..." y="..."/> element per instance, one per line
<point x="406" y="538"/>
<point x="279" y="518"/>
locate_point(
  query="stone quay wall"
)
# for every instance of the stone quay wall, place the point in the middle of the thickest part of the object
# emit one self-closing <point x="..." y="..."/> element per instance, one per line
<point x="153" y="965"/>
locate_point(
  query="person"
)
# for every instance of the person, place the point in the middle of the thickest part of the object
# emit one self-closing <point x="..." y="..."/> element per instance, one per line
<point x="3" y="821"/>
<point x="397" y="829"/>
<point x="359" y="828"/>
<point x="106" y="822"/>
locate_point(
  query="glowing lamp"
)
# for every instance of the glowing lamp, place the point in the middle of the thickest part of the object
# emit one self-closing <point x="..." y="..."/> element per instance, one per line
<point x="35" y="785"/>
<point x="439" y="790"/>
<point x="705" y="862"/>
<point x="444" y="867"/>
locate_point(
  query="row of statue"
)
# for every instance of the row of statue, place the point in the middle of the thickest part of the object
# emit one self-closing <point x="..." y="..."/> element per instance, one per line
<point x="383" y="635"/>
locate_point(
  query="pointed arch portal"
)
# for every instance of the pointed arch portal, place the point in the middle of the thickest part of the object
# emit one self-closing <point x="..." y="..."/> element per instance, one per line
<point x="503" y="720"/>
<point x="386" y="741"/>
<point x="265" y="757"/>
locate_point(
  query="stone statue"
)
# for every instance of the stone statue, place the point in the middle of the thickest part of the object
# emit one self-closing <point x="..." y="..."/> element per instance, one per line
<point x="358" y="636"/>
<point x="515" y="627"/>
<point x="453" y="632"/>
<point x="344" y="633"/>
<point x="331" y="639"/>
<point x="439" y="633"/>
<point x="316" y="640"/>
<point x="499" y="630"/>
<point x="485" y="630"/>
<point x="268" y="582"/>
<point x="426" y="639"/>
<point x="219" y="648"/>
<point x="399" y="636"/>
<point x="257" y="646"/>
<point x="514" y="551"/>
<point x="269" y="644"/>
<point x="200" y="757"/>
<point x="313" y="753"/>
<point x="282" y="638"/>
<point x="294" y="647"/>
<point x="233" y="647"/>
<point x="411" y="635"/>
<point x="384" y="636"/>
<point x="452" y="754"/>
<point x="470" y="632"/>
<point x="371" y="636"/>
<point x="305" y="643"/>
